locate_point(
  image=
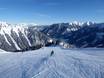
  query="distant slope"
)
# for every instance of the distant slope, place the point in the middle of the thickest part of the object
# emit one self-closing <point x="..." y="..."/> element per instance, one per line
<point x="62" y="64"/>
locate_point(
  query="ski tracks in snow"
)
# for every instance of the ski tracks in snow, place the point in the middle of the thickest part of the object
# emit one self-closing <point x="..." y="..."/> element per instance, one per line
<point x="62" y="64"/>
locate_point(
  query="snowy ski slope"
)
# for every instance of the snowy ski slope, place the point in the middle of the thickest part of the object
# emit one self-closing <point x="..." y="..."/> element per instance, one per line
<point x="62" y="64"/>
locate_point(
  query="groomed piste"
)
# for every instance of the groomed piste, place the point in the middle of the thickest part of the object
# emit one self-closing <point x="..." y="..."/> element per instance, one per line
<point x="70" y="63"/>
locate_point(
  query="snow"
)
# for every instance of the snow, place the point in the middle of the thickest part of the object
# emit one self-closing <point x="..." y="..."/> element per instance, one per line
<point x="64" y="63"/>
<point x="16" y="45"/>
<point x="61" y="43"/>
<point x="50" y="40"/>
<point x="27" y="39"/>
<point x="68" y="29"/>
<point x="7" y="40"/>
<point x="2" y="50"/>
<point x="81" y="23"/>
<point x="89" y="23"/>
<point x="7" y="30"/>
<point x="4" y="24"/>
<point x="2" y="32"/>
<point x="76" y="23"/>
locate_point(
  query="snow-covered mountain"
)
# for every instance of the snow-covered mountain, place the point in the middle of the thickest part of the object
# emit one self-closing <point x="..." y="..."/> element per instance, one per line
<point x="86" y="34"/>
<point x="64" y="28"/>
<point x="20" y="38"/>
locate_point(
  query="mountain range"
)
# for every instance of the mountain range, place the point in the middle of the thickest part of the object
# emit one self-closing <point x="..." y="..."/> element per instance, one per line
<point x="81" y="36"/>
<point x="23" y="37"/>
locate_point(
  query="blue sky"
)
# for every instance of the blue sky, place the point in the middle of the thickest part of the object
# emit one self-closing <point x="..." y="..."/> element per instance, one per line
<point x="51" y="11"/>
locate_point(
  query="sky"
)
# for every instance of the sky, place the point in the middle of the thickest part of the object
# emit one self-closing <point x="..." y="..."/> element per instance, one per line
<point x="51" y="11"/>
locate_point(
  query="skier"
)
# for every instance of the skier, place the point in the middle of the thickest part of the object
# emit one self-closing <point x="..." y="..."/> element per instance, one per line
<point x="52" y="52"/>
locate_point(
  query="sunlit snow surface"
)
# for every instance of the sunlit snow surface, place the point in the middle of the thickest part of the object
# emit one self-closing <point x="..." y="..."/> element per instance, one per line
<point x="72" y="63"/>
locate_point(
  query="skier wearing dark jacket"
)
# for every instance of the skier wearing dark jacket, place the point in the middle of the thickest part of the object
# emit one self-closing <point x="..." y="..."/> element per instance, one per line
<point x="52" y="52"/>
